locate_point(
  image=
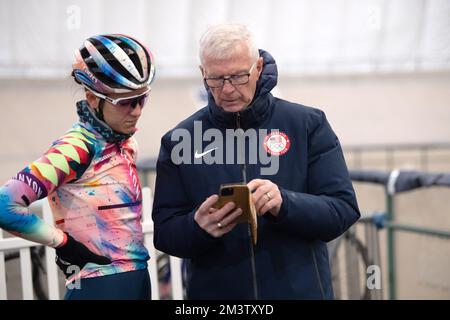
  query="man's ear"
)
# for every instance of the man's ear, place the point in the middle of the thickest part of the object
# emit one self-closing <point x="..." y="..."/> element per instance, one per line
<point x="92" y="100"/>
<point x="202" y="70"/>
<point x="259" y="65"/>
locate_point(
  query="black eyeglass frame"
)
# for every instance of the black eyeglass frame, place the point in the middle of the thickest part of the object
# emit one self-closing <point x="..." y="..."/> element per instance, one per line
<point x="234" y="79"/>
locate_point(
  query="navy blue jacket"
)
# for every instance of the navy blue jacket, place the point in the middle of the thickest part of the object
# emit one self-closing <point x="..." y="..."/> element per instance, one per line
<point x="319" y="204"/>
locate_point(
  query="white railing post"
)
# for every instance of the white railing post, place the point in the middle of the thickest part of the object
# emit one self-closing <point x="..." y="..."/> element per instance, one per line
<point x="25" y="271"/>
<point x="176" y="278"/>
<point x="3" y="291"/>
<point x="52" y="271"/>
<point x="147" y="226"/>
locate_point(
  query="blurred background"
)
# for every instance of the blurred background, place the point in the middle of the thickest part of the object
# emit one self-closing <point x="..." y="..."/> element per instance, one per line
<point x="380" y="69"/>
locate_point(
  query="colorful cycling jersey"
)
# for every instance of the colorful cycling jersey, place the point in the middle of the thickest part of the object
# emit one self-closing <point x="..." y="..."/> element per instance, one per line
<point x="95" y="196"/>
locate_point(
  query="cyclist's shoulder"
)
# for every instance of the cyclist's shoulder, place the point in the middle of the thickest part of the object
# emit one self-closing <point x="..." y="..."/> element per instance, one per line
<point x="82" y="131"/>
<point x="78" y="136"/>
<point x="78" y="144"/>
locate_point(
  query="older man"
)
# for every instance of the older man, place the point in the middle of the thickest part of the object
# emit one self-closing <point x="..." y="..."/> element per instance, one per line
<point x="302" y="202"/>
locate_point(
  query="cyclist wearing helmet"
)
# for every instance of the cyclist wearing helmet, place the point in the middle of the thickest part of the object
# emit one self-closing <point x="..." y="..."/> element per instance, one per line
<point x="89" y="176"/>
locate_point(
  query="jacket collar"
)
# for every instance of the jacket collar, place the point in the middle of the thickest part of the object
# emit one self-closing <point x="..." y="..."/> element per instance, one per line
<point x="258" y="110"/>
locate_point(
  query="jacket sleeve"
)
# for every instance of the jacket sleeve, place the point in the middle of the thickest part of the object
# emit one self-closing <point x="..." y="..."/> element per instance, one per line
<point x="175" y="230"/>
<point x="329" y="206"/>
<point x="65" y="161"/>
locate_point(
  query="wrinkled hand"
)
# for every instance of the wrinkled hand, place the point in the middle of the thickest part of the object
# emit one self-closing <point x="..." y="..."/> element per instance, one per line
<point x="266" y="196"/>
<point x="217" y="222"/>
<point x="73" y="256"/>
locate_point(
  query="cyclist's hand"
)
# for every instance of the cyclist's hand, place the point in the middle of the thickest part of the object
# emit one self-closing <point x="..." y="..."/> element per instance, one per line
<point x="72" y="256"/>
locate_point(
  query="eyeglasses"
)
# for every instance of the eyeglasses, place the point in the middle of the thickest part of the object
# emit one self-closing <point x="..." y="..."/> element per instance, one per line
<point x="132" y="101"/>
<point x="235" y="79"/>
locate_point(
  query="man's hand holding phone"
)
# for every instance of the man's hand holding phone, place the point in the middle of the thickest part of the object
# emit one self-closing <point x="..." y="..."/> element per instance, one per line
<point x="233" y="198"/>
<point x="217" y="222"/>
<point x="266" y="196"/>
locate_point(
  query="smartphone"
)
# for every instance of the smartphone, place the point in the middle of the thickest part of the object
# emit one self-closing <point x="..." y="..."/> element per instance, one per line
<point x="239" y="194"/>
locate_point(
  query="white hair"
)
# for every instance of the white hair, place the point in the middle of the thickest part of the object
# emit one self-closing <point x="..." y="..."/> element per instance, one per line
<point x="221" y="42"/>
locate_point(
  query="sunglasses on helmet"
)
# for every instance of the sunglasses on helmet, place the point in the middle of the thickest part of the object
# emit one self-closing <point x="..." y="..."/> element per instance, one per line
<point x="132" y="101"/>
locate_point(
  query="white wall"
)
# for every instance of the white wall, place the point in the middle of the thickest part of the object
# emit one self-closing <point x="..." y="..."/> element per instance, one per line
<point x="307" y="36"/>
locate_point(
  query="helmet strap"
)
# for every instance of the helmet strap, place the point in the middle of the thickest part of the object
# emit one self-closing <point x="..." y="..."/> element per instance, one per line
<point x="99" y="112"/>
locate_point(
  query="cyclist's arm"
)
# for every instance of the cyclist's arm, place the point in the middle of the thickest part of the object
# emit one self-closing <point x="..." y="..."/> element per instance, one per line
<point x="65" y="161"/>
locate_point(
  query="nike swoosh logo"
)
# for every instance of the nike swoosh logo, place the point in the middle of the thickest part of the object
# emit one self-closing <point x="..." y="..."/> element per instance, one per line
<point x="199" y="155"/>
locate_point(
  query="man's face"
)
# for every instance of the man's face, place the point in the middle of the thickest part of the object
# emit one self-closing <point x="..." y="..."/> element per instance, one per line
<point x="233" y="98"/>
<point x="121" y="118"/>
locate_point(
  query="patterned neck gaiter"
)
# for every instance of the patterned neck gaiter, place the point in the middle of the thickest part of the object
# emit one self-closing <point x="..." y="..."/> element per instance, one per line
<point x="87" y="115"/>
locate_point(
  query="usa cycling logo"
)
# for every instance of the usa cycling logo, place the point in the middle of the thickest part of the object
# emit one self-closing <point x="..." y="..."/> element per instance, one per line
<point x="277" y="143"/>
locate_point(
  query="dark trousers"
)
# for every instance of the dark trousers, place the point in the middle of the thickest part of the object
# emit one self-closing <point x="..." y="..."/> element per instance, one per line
<point x="131" y="285"/>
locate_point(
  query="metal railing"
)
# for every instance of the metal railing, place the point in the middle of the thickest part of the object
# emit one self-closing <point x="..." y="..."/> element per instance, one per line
<point x="24" y="246"/>
<point x="396" y="182"/>
<point x="390" y="151"/>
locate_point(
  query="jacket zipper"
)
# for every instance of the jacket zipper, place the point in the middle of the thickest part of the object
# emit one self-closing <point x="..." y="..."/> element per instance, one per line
<point x="244" y="180"/>
<point x="318" y="273"/>
<point x="242" y="150"/>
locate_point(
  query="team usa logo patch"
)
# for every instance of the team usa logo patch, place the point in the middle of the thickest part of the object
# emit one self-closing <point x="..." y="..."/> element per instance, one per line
<point x="277" y="143"/>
